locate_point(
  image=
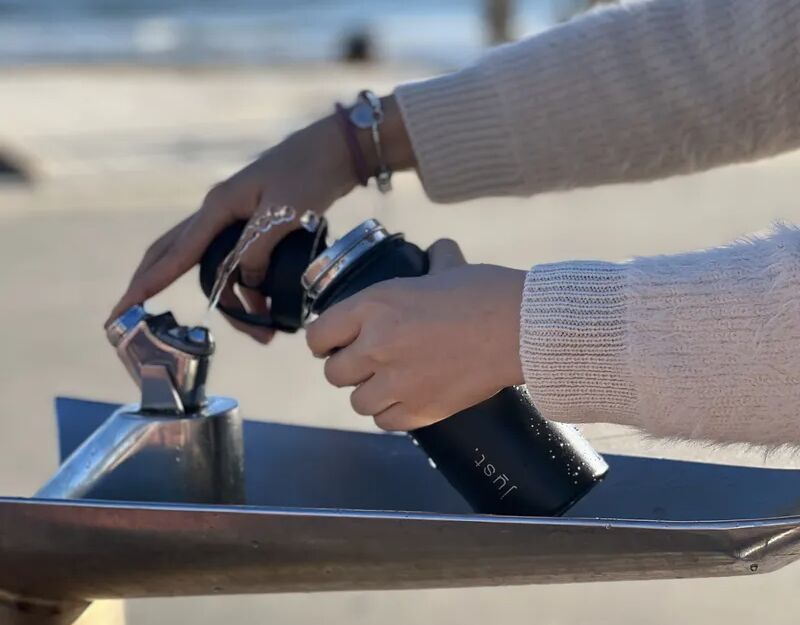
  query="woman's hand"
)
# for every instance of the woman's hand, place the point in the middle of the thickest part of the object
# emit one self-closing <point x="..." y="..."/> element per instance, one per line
<point x="309" y="170"/>
<point x="422" y="349"/>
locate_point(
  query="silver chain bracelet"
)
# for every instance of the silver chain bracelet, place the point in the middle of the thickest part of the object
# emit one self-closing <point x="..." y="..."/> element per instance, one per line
<point x="367" y="114"/>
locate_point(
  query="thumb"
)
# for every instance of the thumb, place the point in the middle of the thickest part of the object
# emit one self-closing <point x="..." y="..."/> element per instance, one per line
<point x="445" y="254"/>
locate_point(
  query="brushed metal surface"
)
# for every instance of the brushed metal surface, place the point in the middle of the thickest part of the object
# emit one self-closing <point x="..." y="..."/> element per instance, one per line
<point x="282" y="542"/>
<point x="194" y="458"/>
<point x="91" y="550"/>
<point x="308" y="467"/>
<point x="16" y="610"/>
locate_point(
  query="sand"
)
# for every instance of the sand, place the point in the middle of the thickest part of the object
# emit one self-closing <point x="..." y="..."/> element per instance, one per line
<point x="122" y="153"/>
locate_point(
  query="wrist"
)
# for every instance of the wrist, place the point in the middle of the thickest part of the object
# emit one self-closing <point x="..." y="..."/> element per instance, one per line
<point x="397" y="153"/>
<point x="500" y="290"/>
<point x="513" y="281"/>
<point x="333" y="159"/>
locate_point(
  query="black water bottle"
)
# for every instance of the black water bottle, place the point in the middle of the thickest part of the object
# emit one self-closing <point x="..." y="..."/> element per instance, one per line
<point x="501" y="454"/>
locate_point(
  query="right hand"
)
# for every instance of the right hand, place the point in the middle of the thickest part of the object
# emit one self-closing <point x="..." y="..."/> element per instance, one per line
<point x="308" y="171"/>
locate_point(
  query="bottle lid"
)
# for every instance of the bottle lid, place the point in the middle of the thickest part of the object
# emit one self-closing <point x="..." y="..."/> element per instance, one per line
<point x="341" y="255"/>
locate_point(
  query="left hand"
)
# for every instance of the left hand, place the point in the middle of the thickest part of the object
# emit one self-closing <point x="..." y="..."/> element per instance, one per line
<point x="422" y="349"/>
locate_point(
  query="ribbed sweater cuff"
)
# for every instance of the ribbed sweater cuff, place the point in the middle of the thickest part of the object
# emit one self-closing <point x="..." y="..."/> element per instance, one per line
<point x="573" y="342"/>
<point x="460" y="136"/>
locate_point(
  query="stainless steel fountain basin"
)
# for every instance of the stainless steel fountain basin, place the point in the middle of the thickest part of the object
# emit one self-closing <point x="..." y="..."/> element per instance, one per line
<point x="337" y="510"/>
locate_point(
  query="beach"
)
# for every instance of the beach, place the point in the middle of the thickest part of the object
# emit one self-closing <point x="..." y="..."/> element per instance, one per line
<point x="120" y="152"/>
<point x="252" y="32"/>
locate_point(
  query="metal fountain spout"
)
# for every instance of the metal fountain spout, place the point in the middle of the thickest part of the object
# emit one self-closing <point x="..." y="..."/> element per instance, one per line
<point x="176" y="445"/>
<point x="168" y="362"/>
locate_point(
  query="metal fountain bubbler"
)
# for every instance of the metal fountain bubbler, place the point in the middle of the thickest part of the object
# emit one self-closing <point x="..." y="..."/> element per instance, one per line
<point x="176" y="444"/>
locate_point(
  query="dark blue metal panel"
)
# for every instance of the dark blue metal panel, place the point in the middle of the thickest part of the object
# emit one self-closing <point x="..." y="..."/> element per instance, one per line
<point x="298" y="534"/>
<point x="305" y="467"/>
<point x="76" y="420"/>
<point x="294" y="466"/>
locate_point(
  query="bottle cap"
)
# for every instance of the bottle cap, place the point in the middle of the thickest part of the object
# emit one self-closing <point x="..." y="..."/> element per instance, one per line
<point x="341" y="255"/>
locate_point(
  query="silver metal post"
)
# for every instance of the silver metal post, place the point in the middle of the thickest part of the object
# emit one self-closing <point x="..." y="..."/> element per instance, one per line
<point x="197" y="458"/>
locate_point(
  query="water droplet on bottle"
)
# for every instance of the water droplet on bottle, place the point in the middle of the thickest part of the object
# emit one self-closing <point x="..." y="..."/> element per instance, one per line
<point x="754" y="567"/>
<point x="255" y="544"/>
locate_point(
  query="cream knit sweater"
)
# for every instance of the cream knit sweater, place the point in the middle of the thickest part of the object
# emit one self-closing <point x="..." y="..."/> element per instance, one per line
<point x="701" y="345"/>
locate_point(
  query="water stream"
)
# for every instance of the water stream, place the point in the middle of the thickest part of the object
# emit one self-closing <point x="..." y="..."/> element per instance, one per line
<point x="262" y="221"/>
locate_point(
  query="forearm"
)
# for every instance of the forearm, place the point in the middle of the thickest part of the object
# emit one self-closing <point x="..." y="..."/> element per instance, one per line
<point x="631" y="93"/>
<point x="702" y="345"/>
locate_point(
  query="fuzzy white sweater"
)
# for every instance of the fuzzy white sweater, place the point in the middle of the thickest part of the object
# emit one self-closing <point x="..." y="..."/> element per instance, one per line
<point x="700" y="345"/>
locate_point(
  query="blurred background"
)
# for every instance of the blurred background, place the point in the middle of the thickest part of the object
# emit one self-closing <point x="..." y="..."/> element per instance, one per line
<point x="115" y="118"/>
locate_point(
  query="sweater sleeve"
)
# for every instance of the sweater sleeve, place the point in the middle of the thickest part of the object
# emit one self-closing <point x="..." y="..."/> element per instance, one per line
<point x="629" y="93"/>
<point x="701" y="345"/>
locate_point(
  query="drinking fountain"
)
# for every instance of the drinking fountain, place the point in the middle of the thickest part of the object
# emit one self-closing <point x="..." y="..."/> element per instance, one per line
<point x="176" y="445"/>
<point x="178" y="496"/>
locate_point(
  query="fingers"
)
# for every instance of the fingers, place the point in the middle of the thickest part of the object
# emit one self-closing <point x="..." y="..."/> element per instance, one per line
<point x="254" y="262"/>
<point x="151" y="256"/>
<point x="375" y="398"/>
<point x="229" y="300"/>
<point x="161" y="245"/>
<point x="252" y="277"/>
<point x="336" y="328"/>
<point x="171" y="256"/>
<point x="395" y="418"/>
<point x="372" y="397"/>
<point x="348" y="368"/>
<point x="253" y="301"/>
<point x="182" y="255"/>
<point x="445" y="254"/>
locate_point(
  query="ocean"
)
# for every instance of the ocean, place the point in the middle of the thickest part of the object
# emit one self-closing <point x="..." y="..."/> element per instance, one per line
<point x="194" y="32"/>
